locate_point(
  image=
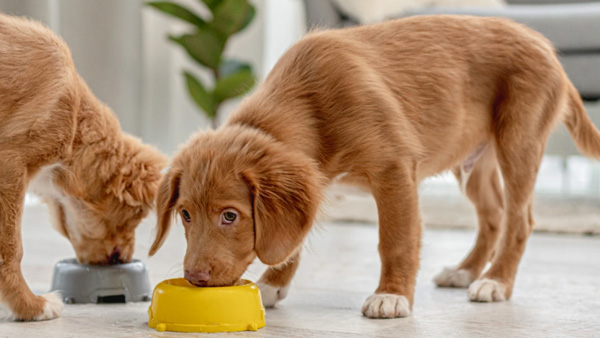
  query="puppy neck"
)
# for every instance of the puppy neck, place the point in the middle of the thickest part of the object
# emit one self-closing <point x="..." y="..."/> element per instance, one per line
<point x="288" y="121"/>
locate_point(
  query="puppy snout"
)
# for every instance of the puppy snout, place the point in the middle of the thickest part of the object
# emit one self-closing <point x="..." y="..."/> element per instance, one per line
<point x="115" y="256"/>
<point x="197" y="277"/>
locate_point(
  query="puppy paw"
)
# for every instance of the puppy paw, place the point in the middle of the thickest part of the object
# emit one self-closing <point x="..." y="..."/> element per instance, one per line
<point x="487" y="290"/>
<point x="5" y="313"/>
<point x="52" y="307"/>
<point x="450" y="277"/>
<point x="272" y="294"/>
<point x="386" y="305"/>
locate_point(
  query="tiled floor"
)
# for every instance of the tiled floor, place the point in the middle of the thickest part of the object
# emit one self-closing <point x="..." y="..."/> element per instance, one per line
<point x="557" y="292"/>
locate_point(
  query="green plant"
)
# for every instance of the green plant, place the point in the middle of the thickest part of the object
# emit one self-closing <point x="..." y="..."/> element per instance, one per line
<point x="206" y="43"/>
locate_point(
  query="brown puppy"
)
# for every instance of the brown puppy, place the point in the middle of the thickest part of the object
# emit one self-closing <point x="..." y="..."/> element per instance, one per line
<point x="56" y="137"/>
<point x="387" y="105"/>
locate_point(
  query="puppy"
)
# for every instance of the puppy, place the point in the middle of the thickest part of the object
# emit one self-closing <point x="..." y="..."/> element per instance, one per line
<point x="387" y="105"/>
<point x="57" y="138"/>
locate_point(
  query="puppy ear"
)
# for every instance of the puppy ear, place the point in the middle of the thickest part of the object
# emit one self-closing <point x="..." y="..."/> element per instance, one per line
<point x="57" y="216"/>
<point x="166" y="197"/>
<point x="286" y="189"/>
<point x="137" y="180"/>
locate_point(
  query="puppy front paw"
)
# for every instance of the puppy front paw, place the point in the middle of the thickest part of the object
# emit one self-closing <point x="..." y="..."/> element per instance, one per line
<point x="52" y="307"/>
<point x="451" y="277"/>
<point x="386" y="305"/>
<point x="487" y="290"/>
<point x="44" y="307"/>
<point x="270" y="294"/>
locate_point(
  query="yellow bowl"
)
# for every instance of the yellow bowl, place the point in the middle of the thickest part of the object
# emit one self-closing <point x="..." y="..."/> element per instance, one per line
<point x="179" y="306"/>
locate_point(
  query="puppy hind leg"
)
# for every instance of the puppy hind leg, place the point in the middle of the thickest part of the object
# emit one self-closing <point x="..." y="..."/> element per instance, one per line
<point x="520" y="142"/>
<point x="484" y="190"/>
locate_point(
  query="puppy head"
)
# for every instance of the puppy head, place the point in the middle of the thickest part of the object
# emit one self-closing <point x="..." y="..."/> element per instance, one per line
<point x="240" y="194"/>
<point x="103" y="204"/>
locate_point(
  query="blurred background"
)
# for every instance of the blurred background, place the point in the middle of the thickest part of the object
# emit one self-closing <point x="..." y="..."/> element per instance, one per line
<point x="121" y="49"/>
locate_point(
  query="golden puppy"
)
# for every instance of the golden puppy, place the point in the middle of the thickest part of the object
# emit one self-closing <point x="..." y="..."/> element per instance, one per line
<point x="56" y="137"/>
<point x="387" y="105"/>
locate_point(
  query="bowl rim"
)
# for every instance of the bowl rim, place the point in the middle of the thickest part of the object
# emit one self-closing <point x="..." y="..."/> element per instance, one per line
<point x="174" y="283"/>
<point x="74" y="262"/>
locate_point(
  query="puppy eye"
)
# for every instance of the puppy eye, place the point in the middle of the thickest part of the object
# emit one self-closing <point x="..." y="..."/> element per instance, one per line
<point x="227" y="217"/>
<point x="186" y="216"/>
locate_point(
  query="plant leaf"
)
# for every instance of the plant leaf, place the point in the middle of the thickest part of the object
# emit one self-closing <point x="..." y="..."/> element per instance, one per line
<point x="233" y="85"/>
<point x="202" y="98"/>
<point x="212" y="4"/>
<point x="232" y="66"/>
<point x="231" y="16"/>
<point x="247" y="19"/>
<point x="178" y="11"/>
<point x="204" y="46"/>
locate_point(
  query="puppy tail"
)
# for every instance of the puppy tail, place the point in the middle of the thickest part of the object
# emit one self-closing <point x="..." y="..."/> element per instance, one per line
<point x="581" y="128"/>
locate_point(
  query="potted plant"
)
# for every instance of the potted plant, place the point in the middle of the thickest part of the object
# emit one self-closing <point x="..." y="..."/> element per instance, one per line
<point x="205" y="43"/>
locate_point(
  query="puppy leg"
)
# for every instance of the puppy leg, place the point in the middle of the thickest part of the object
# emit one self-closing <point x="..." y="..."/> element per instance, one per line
<point x="519" y="162"/>
<point x="13" y="288"/>
<point x="274" y="284"/>
<point x="485" y="192"/>
<point x="399" y="243"/>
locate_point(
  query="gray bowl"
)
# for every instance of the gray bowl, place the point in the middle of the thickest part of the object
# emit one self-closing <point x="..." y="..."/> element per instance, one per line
<point x="118" y="283"/>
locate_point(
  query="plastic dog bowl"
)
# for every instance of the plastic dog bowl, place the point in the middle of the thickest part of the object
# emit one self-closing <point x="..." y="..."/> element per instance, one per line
<point x="179" y="306"/>
<point x="119" y="283"/>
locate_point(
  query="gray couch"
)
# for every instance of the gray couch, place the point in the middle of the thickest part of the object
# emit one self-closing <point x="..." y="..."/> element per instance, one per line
<point x="572" y="25"/>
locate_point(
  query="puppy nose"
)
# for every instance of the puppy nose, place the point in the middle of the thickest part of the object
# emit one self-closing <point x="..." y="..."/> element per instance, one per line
<point x="115" y="256"/>
<point x="198" y="277"/>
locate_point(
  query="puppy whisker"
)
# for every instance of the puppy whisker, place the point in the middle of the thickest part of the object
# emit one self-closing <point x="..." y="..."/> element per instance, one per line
<point x="175" y="269"/>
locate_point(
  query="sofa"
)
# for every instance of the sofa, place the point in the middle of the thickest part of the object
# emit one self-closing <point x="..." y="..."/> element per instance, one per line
<point x="572" y="25"/>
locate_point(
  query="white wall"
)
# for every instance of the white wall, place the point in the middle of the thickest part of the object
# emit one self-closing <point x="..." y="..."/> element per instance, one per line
<point x="284" y="24"/>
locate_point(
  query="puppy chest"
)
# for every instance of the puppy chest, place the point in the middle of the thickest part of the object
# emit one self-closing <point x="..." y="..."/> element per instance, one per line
<point x="43" y="183"/>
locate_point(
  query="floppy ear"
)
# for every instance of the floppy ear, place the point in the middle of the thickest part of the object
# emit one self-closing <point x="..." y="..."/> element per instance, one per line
<point x="166" y="197"/>
<point x="137" y="180"/>
<point x="57" y="216"/>
<point x="286" y="190"/>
